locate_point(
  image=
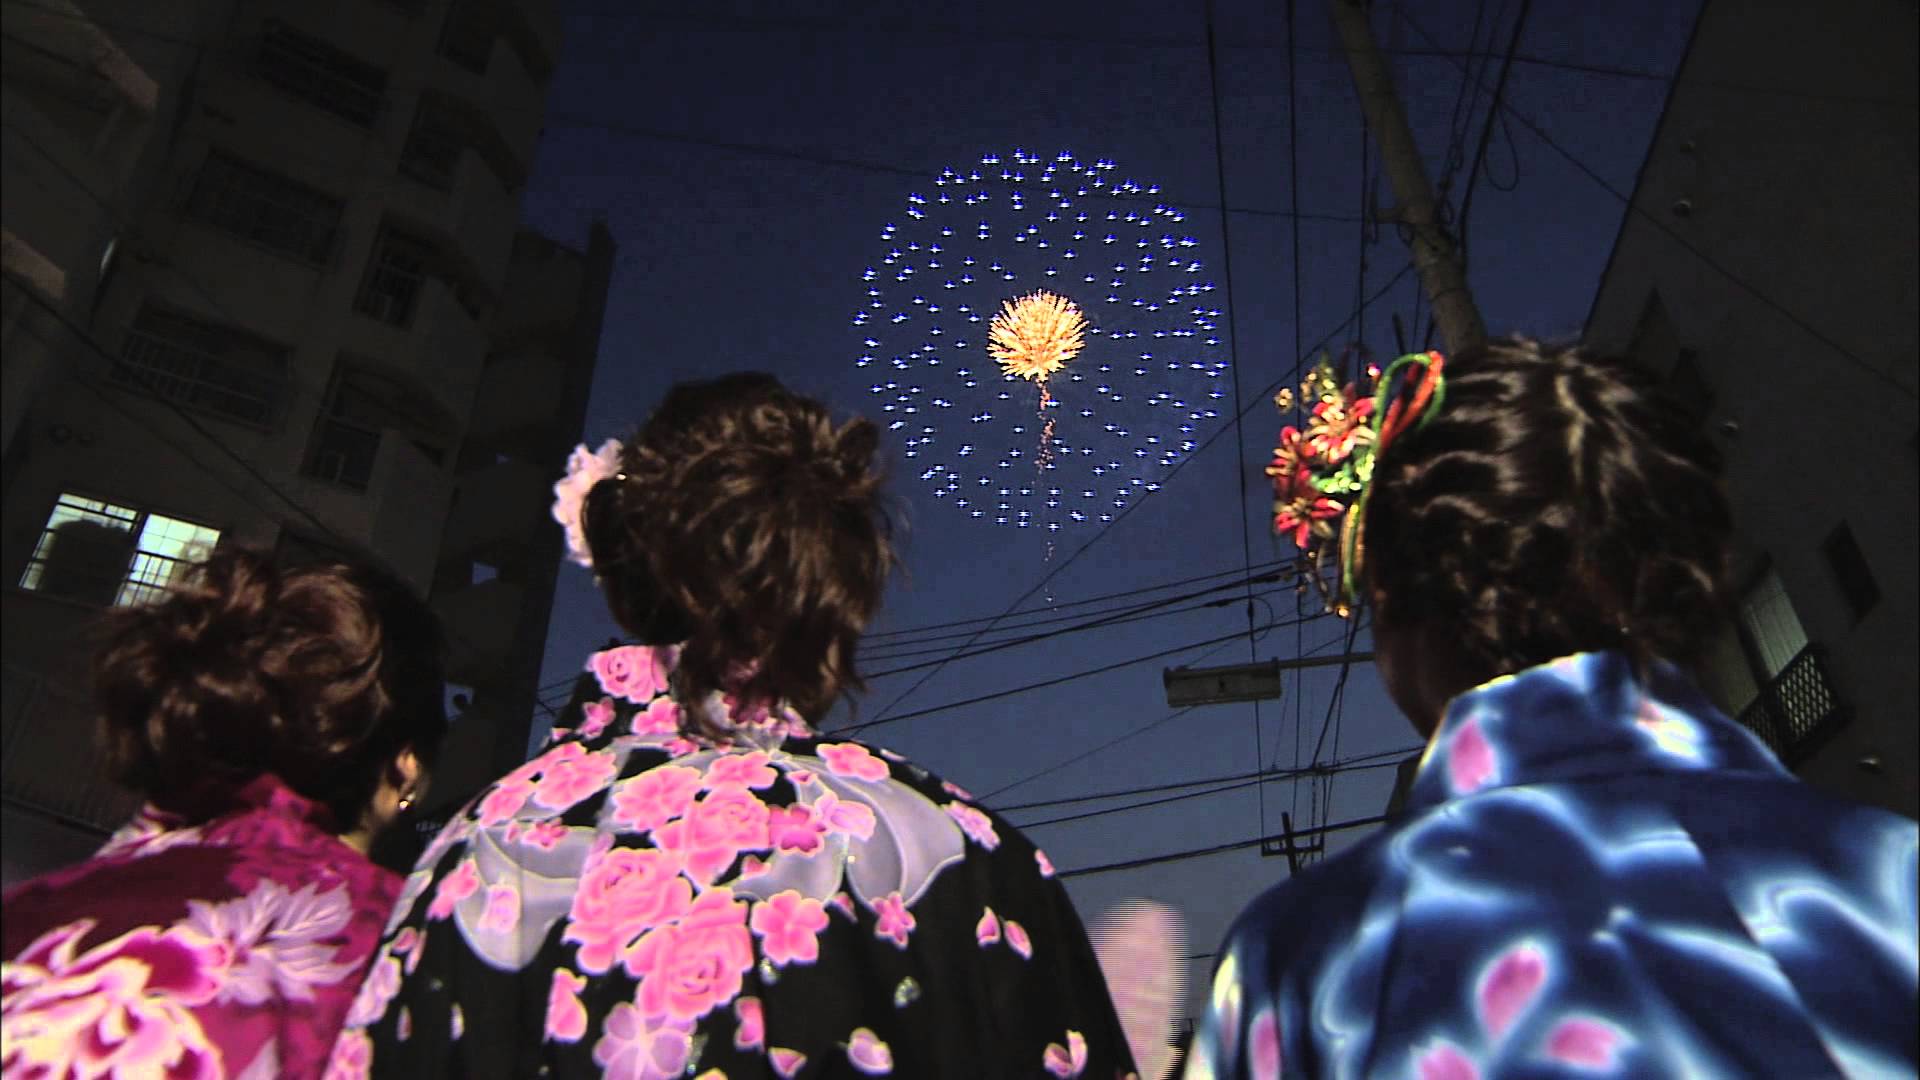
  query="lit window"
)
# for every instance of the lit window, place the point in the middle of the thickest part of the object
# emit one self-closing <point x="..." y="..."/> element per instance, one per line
<point x="101" y="553"/>
<point x="1766" y="673"/>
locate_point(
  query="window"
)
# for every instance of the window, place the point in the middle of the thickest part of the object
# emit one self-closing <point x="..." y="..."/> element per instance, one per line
<point x="319" y="74"/>
<point x="197" y="364"/>
<point x="348" y="438"/>
<point x="467" y="36"/>
<point x="433" y="146"/>
<point x="100" y="553"/>
<point x="266" y="208"/>
<point x="395" y="275"/>
<point x="1766" y="672"/>
<point x="1850" y="569"/>
<point x="363" y="407"/>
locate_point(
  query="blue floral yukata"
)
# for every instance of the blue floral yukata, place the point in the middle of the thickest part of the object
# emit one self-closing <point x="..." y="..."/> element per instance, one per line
<point x="1595" y="877"/>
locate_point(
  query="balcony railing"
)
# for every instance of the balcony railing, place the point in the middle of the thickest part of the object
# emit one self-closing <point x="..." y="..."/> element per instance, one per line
<point x="1798" y="710"/>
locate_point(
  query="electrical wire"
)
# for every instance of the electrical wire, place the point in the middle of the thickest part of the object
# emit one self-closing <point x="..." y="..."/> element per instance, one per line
<point x="1151" y="789"/>
<point x="1255" y="779"/>
<point x="1486" y="131"/>
<point x="1041" y="685"/>
<point x="1690" y="247"/>
<point x="1217" y="849"/>
<point x="1233" y="342"/>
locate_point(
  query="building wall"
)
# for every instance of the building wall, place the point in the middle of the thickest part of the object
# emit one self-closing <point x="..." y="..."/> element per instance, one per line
<point x="1774" y="237"/>
<point x="351" y="340"/>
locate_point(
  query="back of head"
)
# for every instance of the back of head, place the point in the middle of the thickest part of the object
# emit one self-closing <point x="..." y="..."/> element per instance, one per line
<point x="746" y="523"/>
<point x="1555" y="503"/>
<point x="317" y="674"/>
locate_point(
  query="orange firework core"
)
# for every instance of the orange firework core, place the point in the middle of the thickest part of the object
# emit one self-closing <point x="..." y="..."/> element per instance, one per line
<point x="1034" y="337"/>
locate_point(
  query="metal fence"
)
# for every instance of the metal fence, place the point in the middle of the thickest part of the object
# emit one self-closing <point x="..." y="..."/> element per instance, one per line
<point x="1799" y="709"/>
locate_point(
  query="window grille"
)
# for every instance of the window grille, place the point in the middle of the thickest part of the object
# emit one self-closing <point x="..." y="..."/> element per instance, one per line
<point x="320" y="74"/>
<point x="102" y="553"/>
<point x="1798" y="709"/>
<point x="202" y="366"/>
<point x="266" y="208"/>
<point x="433" y="146"/>
<point x="467" y="36"/>
<point x="396" y="274"/>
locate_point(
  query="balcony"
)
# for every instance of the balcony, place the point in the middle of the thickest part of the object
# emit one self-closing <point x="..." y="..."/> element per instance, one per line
<point x="1798" y="710"/>
<point x="425" y="336"/>
<point x="409" y="498"/>
<point x="499" y="505"/>
<point x="466" y="210"/>
<point x="510" y="98"/>
<point x="519" y="391"/>
<point x="380" y="490"/>
<point x="480" y="621"/>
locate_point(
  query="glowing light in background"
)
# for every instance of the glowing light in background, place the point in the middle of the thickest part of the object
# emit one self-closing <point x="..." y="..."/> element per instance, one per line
<point x="1102" y="307"/>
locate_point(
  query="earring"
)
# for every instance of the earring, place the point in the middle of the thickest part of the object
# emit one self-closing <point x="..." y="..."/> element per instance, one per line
<point x="406" y="801"/>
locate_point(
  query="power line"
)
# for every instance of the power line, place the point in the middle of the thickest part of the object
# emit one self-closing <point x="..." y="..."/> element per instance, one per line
<point x="1118" y="518"/>
<point x="1113" y="620"/>
<point x="1077" y="37"/>
<point x="1116" y="793"/>
<point x="1240" y="783"/>
<point x="1216" y="849"/>
<point x="1486" y="131"/>
<point x="1681" y="239"/>
<point x="1071" y="603"/>
<point x="1041" y="685"/>
<point x="1123" y="737"/>
<point x="1049" y="616"/>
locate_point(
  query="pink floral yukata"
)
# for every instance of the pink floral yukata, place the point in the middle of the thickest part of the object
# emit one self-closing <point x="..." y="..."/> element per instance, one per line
<point x="637" y="903"/>
<point x="228" y="949"/>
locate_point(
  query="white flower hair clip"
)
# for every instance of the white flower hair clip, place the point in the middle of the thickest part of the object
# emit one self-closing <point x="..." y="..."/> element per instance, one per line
<point x="584" y="469"/>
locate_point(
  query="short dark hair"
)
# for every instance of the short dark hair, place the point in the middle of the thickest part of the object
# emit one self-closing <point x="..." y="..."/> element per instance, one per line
<point x="1556" y="503"/>
<point x="749" y="524"/>
<point x="319" y="674"/>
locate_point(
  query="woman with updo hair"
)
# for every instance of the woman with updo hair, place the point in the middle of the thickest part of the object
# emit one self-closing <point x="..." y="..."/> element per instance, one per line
<point x="277" y="720"/>
<point x="1596" y="871"/>
<point x="692" y="879"/>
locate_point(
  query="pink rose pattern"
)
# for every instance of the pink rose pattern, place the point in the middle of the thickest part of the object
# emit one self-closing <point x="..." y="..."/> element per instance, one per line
<point x="664" y="895"/>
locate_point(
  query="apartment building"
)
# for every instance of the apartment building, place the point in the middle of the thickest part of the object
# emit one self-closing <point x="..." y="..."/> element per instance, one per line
<point x="1768" y="271"/>
<point x="265" y="283"/>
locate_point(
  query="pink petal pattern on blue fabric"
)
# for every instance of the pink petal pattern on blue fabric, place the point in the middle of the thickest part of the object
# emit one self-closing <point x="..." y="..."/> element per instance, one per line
<point x="1509" y="986"/>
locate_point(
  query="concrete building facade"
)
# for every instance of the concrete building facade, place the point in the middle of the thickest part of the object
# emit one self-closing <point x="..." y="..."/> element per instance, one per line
<point x="1768" y="269"/>
<point x="267" y="285"/>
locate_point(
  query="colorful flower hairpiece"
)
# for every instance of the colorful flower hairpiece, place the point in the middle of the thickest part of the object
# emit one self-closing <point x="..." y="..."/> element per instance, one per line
<point x="1323" y="472"/>
<point x="584" y="469"/>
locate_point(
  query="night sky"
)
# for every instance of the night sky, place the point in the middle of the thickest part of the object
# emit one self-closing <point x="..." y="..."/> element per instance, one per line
<point x="748" y="156"/>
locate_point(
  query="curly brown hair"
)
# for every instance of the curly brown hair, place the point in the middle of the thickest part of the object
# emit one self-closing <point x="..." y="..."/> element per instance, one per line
<point x="318" y="674"/>
<point x="1557" y="503"/>
<point x="748" y="524"/>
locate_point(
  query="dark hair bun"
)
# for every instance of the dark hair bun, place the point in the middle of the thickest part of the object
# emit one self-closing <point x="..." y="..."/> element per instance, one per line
<point x="1556" y="503"/>
<point x="752" y="523"/>
<point x="320" y="675"/>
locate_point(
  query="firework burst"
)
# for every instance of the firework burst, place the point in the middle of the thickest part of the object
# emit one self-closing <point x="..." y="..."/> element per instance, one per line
<point x="1054" y="273"/>
<point x="1034" y="337"/>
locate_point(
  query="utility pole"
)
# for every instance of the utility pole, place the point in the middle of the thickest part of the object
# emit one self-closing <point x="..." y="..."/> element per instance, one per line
<point x="1435" y="255"/>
